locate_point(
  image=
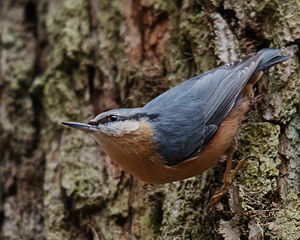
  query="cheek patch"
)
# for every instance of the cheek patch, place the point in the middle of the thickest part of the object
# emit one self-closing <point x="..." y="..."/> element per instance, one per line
<point x="125" y="126"/>
<point x="119" y="128"/>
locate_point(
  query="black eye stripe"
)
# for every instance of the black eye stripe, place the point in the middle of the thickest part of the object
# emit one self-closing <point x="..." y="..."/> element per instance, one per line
<point x="115" y="117"/>
<point x="108" y="119"/>
<point x="94" y="123"/>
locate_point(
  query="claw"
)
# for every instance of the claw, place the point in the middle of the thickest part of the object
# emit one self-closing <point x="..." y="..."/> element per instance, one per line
<point x="228" y="178"/>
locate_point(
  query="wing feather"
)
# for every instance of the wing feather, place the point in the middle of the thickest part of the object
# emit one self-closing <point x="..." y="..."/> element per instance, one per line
<point x="191" y="112"/>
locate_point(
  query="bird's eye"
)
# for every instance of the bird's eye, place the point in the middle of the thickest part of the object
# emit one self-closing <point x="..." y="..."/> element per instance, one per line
<point x="113" y="118"/>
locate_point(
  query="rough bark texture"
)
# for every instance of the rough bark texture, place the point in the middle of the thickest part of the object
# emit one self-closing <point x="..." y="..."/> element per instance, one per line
<point x="70" y="59"/>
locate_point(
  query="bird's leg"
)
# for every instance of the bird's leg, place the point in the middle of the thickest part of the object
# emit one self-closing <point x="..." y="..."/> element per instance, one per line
<point x="228" y="177"/>
<point x="255" y="100"/>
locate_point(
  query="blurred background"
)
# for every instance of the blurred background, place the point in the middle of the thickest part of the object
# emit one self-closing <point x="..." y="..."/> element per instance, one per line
<point x="68" y="60"/>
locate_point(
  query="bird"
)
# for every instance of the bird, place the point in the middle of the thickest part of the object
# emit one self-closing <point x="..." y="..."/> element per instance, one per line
<point x="185" y="130"/>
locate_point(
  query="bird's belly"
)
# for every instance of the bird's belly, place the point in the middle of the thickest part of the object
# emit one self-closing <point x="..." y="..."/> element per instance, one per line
<point x="151" y="169"/>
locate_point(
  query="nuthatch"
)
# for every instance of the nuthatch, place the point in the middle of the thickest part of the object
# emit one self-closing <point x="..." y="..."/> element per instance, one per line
<point x="186" y="129"/>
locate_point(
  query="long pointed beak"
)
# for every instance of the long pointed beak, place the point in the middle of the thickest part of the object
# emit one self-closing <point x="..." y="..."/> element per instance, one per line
<point x="81" y="126"/>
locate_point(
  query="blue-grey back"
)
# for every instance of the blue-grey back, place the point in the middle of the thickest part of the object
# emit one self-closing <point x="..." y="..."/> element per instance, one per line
<point x="190" y="113"/>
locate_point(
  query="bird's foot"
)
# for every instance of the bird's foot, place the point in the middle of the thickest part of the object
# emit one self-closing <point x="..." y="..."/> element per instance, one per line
<point x="256" y="99"/>
<point x="227" y="180"/>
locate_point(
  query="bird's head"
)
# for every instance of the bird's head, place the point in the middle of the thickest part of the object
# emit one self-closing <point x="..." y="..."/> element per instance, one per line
<point x="115" y="124"/>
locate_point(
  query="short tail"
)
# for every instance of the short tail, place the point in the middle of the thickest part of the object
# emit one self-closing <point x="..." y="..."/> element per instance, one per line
<point x="270" y="57"/>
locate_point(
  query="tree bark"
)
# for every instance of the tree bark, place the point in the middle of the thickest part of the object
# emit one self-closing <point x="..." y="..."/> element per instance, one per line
<point x="67" y="60"/>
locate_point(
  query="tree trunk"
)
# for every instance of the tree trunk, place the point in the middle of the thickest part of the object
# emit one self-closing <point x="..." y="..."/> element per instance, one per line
<point x="67" y="60"/>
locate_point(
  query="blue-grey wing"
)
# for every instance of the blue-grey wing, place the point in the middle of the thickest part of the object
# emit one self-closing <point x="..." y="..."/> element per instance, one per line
<point x="190" y="113"/>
